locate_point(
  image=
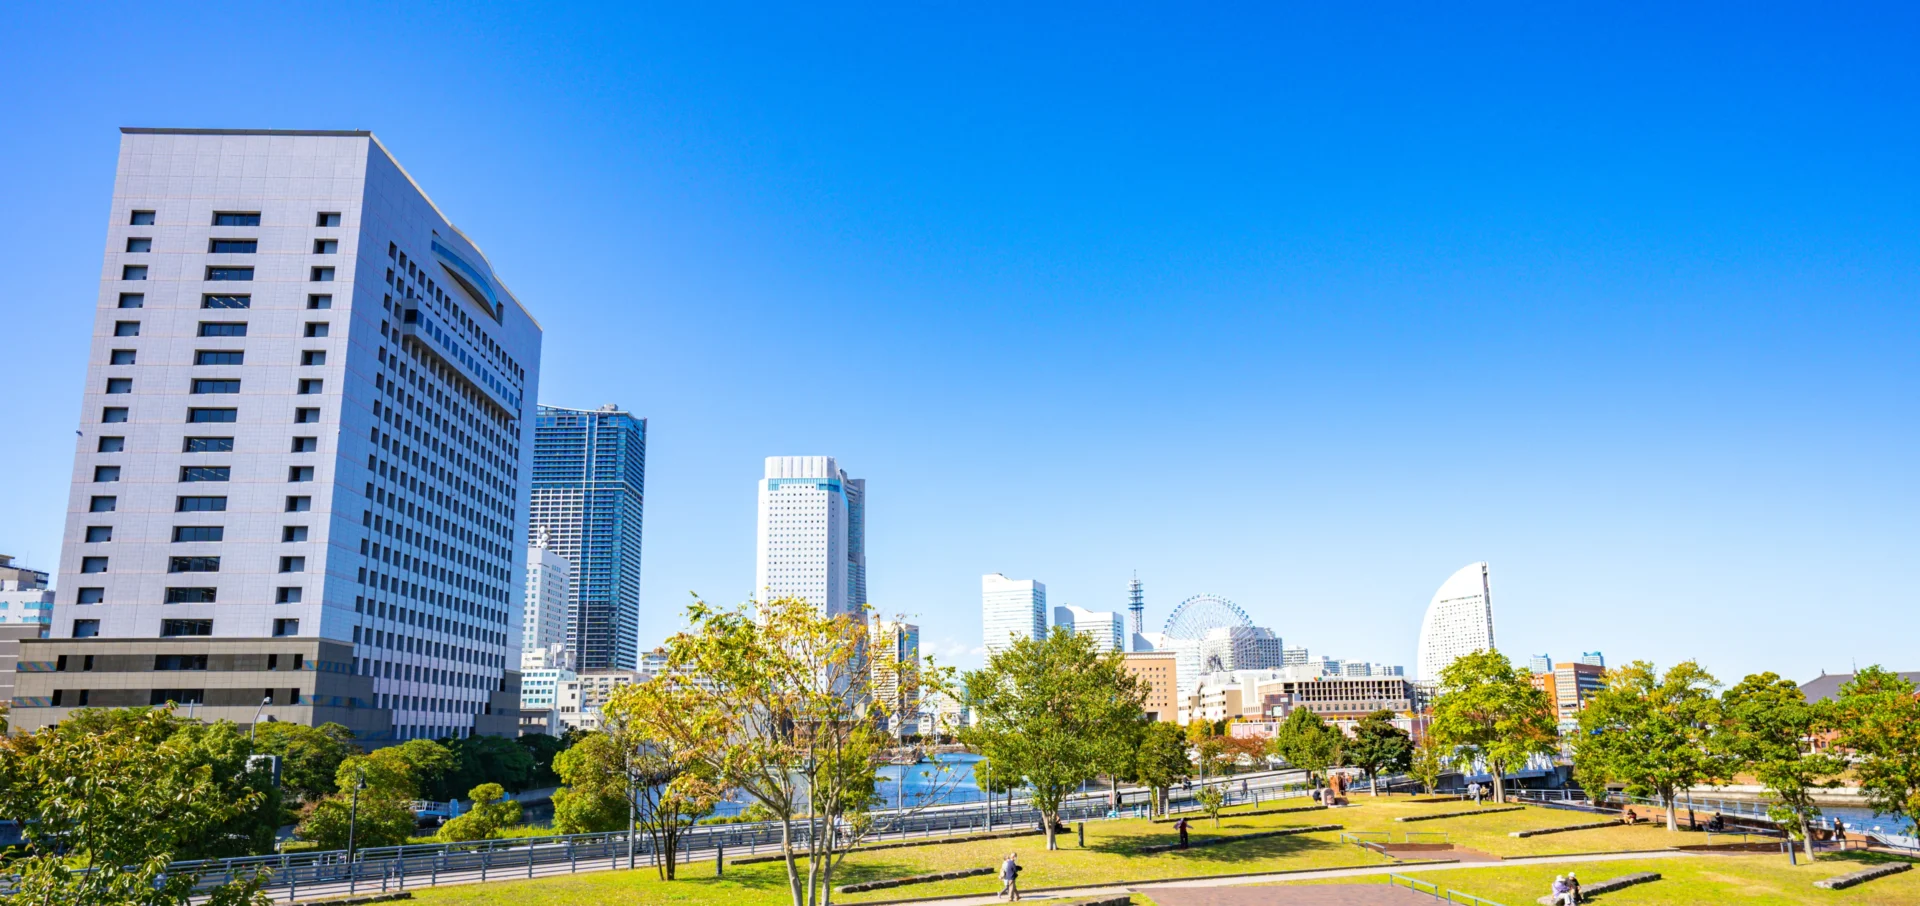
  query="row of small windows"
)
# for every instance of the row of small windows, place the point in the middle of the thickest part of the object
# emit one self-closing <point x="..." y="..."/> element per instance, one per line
<point x="308" y="357"/>
<point x="315" y="302"/>
<point x="103" y="503"/>
<point x="237" y="218"/>
<point x="191" y="534"/>
<point x="226" y="273"/>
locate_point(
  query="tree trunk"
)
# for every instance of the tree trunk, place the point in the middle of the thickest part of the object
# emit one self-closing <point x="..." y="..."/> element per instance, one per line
<point x="1673" y="823"/>
<point x="786" y="850"/>
<point x="1499" y="785"/>
<point x="1373" y="784"/>
<point x="1047" y="818"/>
<point x="1806" y="833"/>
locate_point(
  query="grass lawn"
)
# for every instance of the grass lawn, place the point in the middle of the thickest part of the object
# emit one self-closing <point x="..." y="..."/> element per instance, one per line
<point x="1748" y="880"/>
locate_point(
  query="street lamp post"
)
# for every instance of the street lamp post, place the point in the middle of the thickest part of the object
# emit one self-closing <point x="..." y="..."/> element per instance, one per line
<point x="255" y="728"/>
<point x="353" y="812"/>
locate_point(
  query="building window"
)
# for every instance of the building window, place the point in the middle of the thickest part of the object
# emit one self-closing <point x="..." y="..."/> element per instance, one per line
<point x="92" y="596"/>
<point x="120" y="385"/>
<point x="316" y="329"/>
<point x="99" y="534"/>
<point x="232" y="246"/>
<point x="287" y="595"/>
<point x="327" y="219"/>
<point x="112" y="444"/>
<point x="212" y="415"/>
<point x="139" y="245"/>
<point x="293" y="564"/>
<point x="223" y="328"/>
<point x="186" y="627"/>
<point x="293" y="533"/>
<point x="286" y="627"/>
<point x="305" y="444"/>
<point x="126" y="328"/>
<point x="133" y="300"/>
<point x="142" y="218"/>
<point x="179" y="662"/>
<point x="93" y="564"/>
<point x="106" y="473"/>
<point x="188" y="533"/>
<point x="326" y="246"/>
<point x="299" y="504"/>
<point x="113" y="415"/>
<point x="306" y="416"/>
<point x="162" y="697"/>
<point x="193" y="564"/>
<point x="229" y="273"/>
<point x="200" y="505"/>
<point x="207" y="445"/>
<point x="206" y="473"/>
<point x="215" y="385"/>
<point x="309" y="386"/>
<point x="225" y="300"/>
<point x="133" y="272"/>
<point x="190" y="596"/>
<point x="121" y="357"/>
<point x="299" y="473"/>
<point x="320" y="275"/>
<point x="219" y="357"/>
<point x="86" y="629"/>
<point x="313" y="357"/>
<point x="319" y="301"/>
<point x="102" y="504"/>
<point x="236" y="218"/>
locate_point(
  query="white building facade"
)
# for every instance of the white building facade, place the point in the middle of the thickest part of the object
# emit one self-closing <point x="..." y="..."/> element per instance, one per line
<point x="302" y="462"/>
<point x="1459" y="620"/>
<point x="812" y="535"/>
<point x="1105" y="627"/>
<point x="544" y="613"/>
<point x="1011" y="609"/>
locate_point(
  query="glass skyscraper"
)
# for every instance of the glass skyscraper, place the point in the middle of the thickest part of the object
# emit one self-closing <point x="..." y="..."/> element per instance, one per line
<point x="589" y="482"/>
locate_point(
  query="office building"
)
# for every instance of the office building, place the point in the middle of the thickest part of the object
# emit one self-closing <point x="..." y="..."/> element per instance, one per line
<point x="580" y="699"/>
<point x="1459" y="621"/>
<point x="302" y="467"/>
<point x="540" y="699"/>
<point x="543" y="643"/>
<point x="1103" y="626"/>
<point x="24" y="599"/>
<point x="1159" y="671"/>
<point x="1540" y="663"/>
<point x="812" y="535"/>
<point x="653" y="663"/>
<point x="1230" y="648"/>
<point x="589" y="494"/>
<point x="1292" y="656"/>
<point x="1569" y="686"/>
<point x="1011" y="609"/>
<point x="1593" y="659"/>
<point x="1186" y="654"/>
<point x="893" y="656"/>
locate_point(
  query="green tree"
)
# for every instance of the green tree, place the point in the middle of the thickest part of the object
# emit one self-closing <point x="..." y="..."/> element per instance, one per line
<point x="107" y="799"/>
<point x="593" y="796"/>
<point x="1377" y="745"/>
<point x="392" y="778"/>
<point x="309" y="756"/>
<point x="1305" y="741"/>
<point x="1160" y="760"/>
<point x="665" y="781"/>
<point x="1651" y="732"/>
<point x="1876" y="720"/>
<point x="1209" y="749"/>
<point x="490" y="814"/>
<point x="1765" y="725"/>
<point x="1211" y="799"/>
<point x="1060" y="711"/>
<point x="542" y="749"/>
<point x="1429" y="761"/>
<point x="479" y="760"/>
<point x="1487" y="704"/>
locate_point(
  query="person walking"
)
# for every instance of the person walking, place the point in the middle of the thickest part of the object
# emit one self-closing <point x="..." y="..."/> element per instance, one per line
<point x="1010" y="877"/>
<point x="1474" y="789"/>
<point x="1181" y="826"/>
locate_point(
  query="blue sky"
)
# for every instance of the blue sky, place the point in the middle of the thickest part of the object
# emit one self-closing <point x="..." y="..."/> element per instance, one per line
<point x="1304" y="308"/>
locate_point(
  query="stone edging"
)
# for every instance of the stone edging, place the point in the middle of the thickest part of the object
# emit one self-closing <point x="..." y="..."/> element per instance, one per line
<point x="1235" y="838"/>
<point x="1608" y="886"/>
<point x="1466" y="814"/>
<point x="1264" y="811"/>
<point x="1149" y="882"/>
<point x="1863" y="876"/>
<point x="865" y="886"/>
<point x="1522" y="834"/>
<point x="357" y="900"/>
<point x="898" y="844"/>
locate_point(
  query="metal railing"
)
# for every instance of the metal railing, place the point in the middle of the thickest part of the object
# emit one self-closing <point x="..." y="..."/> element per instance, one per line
<point x="398" y="868"/>
<point x="1436" y="891"/>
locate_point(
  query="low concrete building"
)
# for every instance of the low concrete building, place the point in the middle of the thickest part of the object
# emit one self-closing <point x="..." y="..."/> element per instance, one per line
<point x="1160" y="671"/>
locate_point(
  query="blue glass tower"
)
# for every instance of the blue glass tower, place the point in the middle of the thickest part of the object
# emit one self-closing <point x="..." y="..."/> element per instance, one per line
<point x="589" y="480"/>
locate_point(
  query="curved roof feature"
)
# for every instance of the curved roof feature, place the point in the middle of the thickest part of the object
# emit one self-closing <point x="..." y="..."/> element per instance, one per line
<point x="1200" y="613"/>
<point x="1459" y="620"/>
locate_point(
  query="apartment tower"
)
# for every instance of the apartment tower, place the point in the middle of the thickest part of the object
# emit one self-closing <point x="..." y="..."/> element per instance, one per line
<point x="812" y="535"/>
<point x="589" y="494"/>
<point x="301" y="474"/>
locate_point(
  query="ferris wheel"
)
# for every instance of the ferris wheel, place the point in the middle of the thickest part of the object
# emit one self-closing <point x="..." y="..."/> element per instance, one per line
<point x="1200" y="613"/>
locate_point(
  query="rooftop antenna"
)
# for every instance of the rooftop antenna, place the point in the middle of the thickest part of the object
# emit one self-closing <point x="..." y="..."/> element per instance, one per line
<point x="1137" y="604"/>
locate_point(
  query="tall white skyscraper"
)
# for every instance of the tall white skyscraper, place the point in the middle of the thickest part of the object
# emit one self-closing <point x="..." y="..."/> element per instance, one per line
<point x="812" y="536"/>
<point x="1011" y="609"/>
<point x="1105" y="627"/>
<point x="302" y="467"/>
<point x="1459" y="620"/>
<point x="543" y="642"/>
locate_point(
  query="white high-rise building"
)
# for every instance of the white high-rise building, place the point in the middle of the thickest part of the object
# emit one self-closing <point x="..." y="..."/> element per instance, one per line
<point x="1188" y="664"/>
<point x="812" y="535"/>
<point x="1459" y="620"/>
<point x="1011" y="609"/>
<point x="304" y="449"/>
<point x="544" y="641"/>
<point x="1230" y="648"/>
<point x="893" y="656"/>
<point x="1105" y="627"/>
<point x="1292" y="656"/>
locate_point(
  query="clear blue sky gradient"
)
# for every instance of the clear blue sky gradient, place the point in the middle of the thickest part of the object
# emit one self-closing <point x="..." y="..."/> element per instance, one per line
<point x="1305" y="308"/>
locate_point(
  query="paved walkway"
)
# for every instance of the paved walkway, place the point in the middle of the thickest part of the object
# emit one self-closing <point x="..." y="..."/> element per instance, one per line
<point x="1314" y="895"/>
<point x="1175" y="893"/>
